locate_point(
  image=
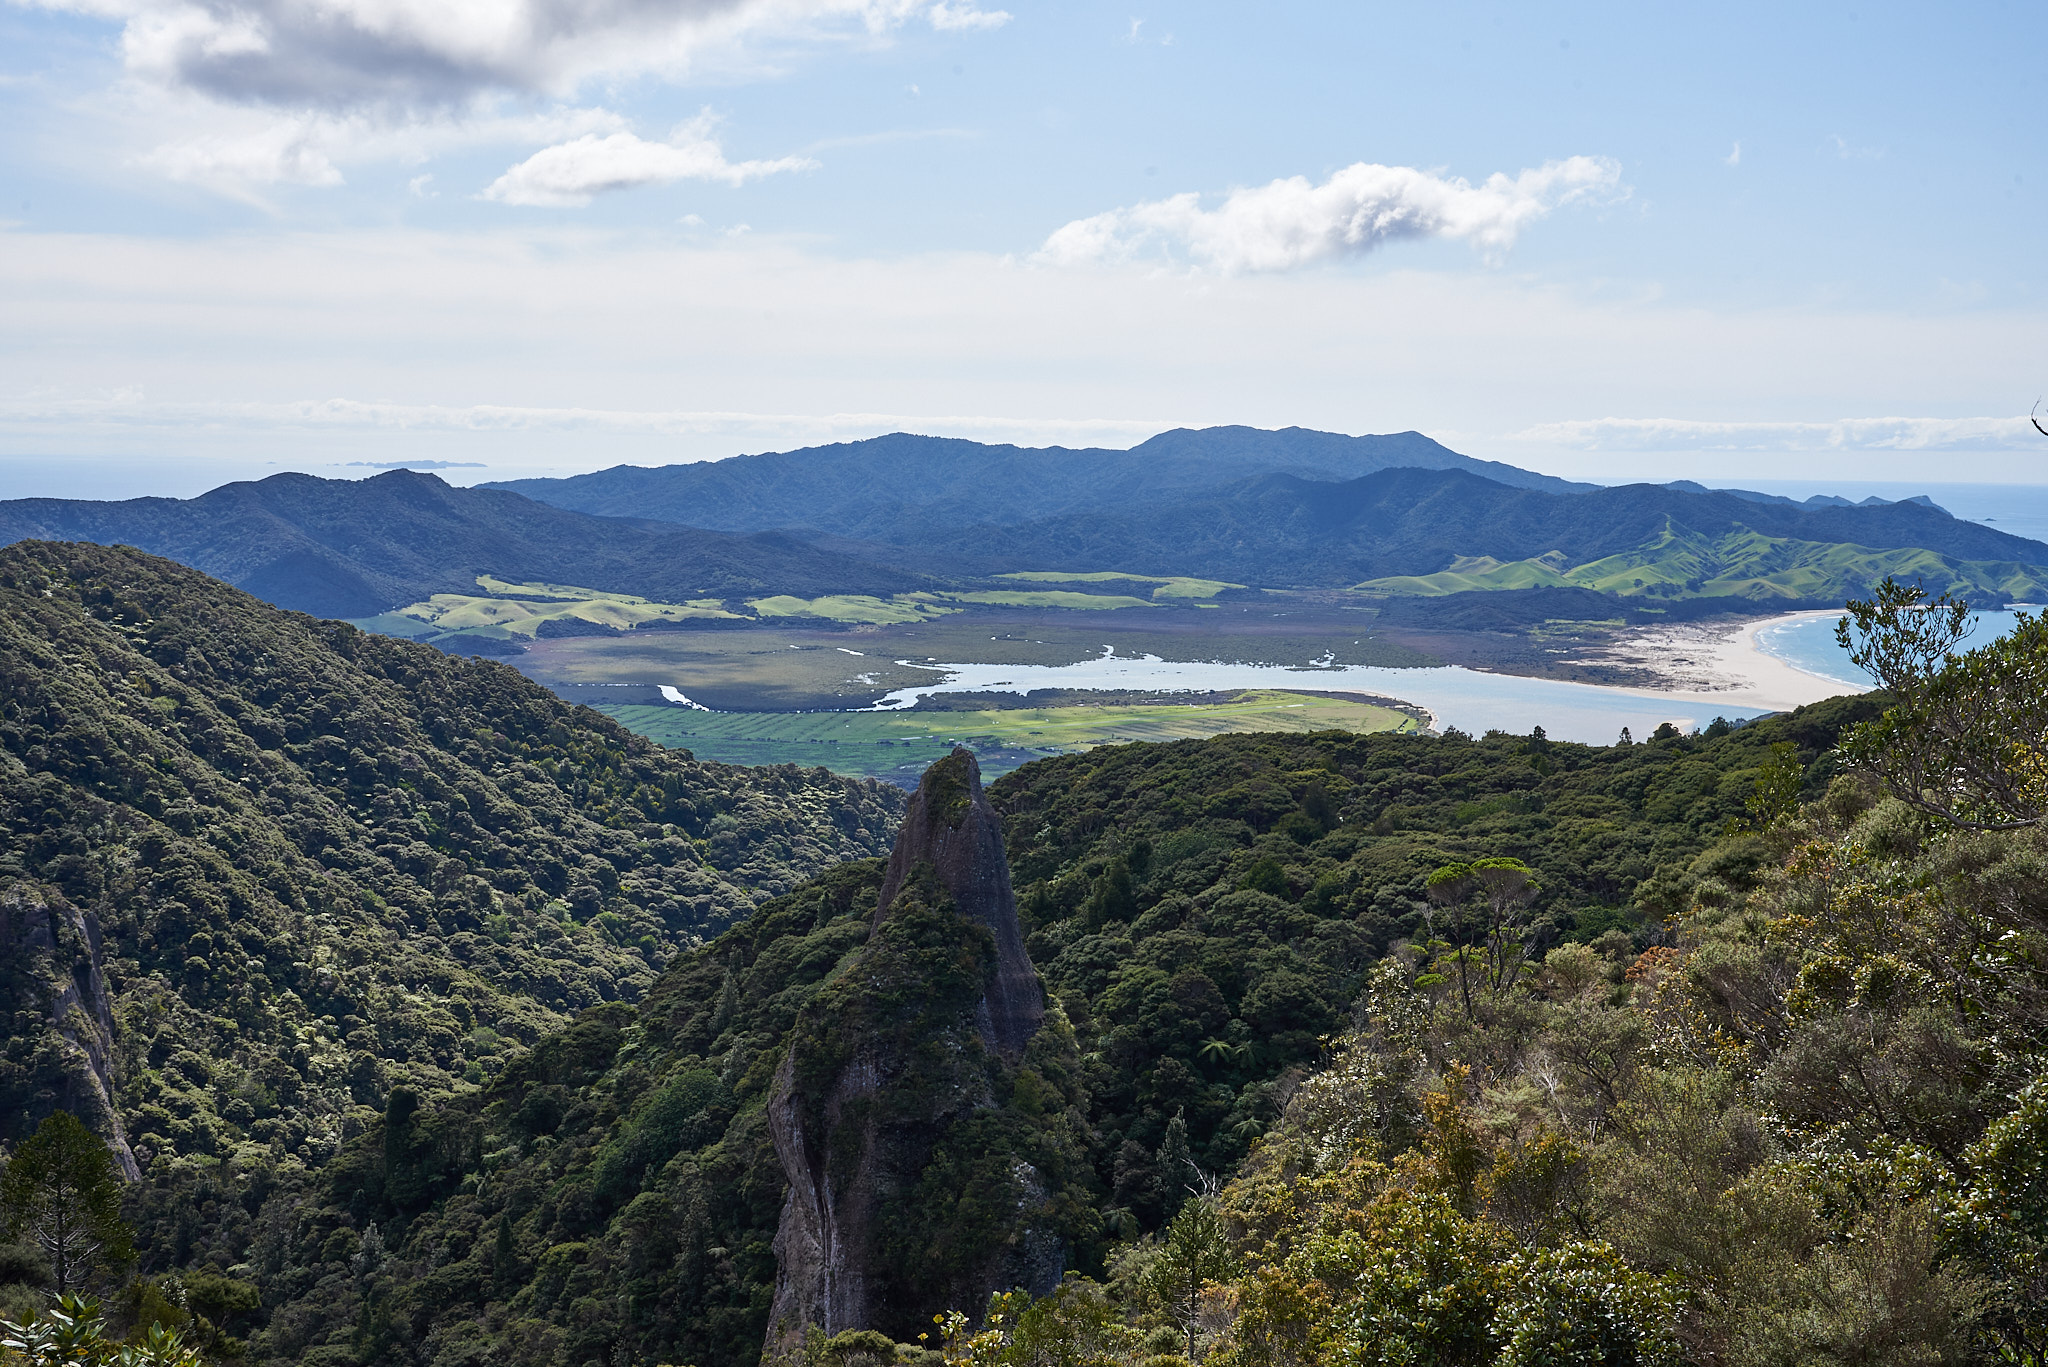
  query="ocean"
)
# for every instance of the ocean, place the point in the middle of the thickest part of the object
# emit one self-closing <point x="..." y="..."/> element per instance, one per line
<point x="1807" y="642"/>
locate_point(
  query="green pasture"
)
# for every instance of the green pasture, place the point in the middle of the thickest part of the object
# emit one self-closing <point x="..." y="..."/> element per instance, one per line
<point x="853" y="607"/>
<point x="1742" y="564"/>
<point x="1168" y="586"/>
<point x="1049" y="598"/>
<point x="889" y="744"/>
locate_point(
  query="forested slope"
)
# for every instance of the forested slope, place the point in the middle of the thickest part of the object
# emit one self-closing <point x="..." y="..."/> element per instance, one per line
<point x="305" y="864"/>
<point x="1204" y="913"/>
<point x="896" y="487"/>
<point x="353" y="548"/>
<point x="1278" y="529"/>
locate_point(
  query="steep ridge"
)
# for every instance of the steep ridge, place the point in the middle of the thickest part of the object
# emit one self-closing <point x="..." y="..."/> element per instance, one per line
<point x="950" y="825"/>
<point x="894" y="488"/>
<point x="1279" y="529"/>
<point x="353" y="548"/>
<point x="261" y="869"/>
<point x="1202" y="914"/>
<point x="892" y="1102"/>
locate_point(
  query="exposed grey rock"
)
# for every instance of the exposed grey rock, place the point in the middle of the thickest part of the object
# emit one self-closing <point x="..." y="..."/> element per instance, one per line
<point x="56" y="947"/>
<point x="951" y="824"/>
<point x="854" y="1142"/>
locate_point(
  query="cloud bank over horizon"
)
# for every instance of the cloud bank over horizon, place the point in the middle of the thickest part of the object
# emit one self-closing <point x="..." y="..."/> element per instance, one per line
<point x="1289" y="224"/>
<point x="1841" y="434"/>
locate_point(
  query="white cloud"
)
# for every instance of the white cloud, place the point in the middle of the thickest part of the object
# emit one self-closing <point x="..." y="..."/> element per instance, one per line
<point x="569" y="174"/>
<point x="249" y="151"/>
<point x="410" y="55"/>
<point x="1291" y="223"/>
<point x="1734" y="158"/>
<point x="133" y="410"/>
<point x="1843" y="434"/>
<point x="288" y="152"/>
<point x="954" y="17"/>
<point x="1849" y="151"/>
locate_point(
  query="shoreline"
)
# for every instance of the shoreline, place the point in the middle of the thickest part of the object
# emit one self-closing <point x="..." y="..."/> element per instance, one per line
<point x="1710" y="664"/>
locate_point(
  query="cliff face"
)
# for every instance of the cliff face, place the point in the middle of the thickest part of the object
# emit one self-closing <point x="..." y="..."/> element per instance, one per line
<point x="53" y="956"/>
<point x="951" y="826"/>
<point x="922" y="1111"/>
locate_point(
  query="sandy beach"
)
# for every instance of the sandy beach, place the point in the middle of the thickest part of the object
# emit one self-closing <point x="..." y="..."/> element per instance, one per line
<point x="1717" y="663"/>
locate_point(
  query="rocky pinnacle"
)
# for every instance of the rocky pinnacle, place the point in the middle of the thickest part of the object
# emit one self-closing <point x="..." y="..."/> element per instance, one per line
<point x="951" y="824"/>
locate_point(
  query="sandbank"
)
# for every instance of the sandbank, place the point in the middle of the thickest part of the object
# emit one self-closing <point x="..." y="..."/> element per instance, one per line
<point x="1713" y="663"/>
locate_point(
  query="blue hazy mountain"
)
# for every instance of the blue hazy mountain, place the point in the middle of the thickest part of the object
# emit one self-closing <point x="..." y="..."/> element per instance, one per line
<point x="352" y="548"/>
<point x="894" y="488"/>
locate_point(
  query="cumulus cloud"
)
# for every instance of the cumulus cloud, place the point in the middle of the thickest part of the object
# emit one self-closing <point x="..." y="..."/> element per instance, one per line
<point x="1292" y="223"/>
<point x="1842" y="434"/>
<point x="354" y="54"/>
<point x="569" y="174"/>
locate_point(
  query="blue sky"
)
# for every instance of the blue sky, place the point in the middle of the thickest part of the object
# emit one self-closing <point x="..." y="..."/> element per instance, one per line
<point x="1743" y="242"/>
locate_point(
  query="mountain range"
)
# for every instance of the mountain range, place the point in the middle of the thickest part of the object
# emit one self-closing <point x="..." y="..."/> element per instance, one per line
<point x="897" y="487"/>
<point x="352" y="548"/>
<point x="1283" y="530"/>
<point x="1396" y="514"/>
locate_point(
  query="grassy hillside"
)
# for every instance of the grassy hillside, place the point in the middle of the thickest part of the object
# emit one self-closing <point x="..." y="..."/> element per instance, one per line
<point x="1205" y="912"/>
<point x="1739" y="564"/>
<point x="1279" y="531"/>
<point x="313" y="864"/>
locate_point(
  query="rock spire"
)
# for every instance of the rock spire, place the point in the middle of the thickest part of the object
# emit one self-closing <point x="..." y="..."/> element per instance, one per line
<point x="923" y="1033"/>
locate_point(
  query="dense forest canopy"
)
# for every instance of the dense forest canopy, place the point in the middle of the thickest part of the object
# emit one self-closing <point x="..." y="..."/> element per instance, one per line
<point x="1715" y="1049"/>
<point x="1205" y="914"/>
<point x="261" y="870"/>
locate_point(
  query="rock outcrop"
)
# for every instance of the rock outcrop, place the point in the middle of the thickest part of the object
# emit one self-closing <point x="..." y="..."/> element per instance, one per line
<point x="54" y="963"/>
<point x="922" y="1111"/>
<point x="951" y="826"/>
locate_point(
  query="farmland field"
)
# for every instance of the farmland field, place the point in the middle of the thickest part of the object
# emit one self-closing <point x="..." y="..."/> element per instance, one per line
<point x="896" y="745"/>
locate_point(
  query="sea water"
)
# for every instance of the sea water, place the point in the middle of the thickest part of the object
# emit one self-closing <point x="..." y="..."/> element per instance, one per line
<point x="1467" y="699"/>
<point x="1807" y="641"/>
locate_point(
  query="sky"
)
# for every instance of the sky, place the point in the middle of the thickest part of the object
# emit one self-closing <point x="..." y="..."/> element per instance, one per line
<point x="515" y="237"/>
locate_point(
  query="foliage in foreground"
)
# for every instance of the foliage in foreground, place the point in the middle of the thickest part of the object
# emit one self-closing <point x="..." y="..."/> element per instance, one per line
<point x="72" y="1333"/>
<point x="1205" y="913"/>
<point x="1811" y="1129"/>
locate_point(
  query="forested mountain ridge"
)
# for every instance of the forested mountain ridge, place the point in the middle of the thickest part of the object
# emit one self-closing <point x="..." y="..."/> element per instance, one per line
<point x="1280" y="530"/>
<point x="957" y="513"/>
<point x="892" y="488"/>
<point x="353" y="548"/>
<point x="1203" y="914"/>
<point x="305" y="864"/>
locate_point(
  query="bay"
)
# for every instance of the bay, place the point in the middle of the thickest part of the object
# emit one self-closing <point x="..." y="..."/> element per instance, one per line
<point x="1807" y="641"/>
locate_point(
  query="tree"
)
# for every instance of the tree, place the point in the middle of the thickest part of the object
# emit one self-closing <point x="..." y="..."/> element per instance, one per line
<point x="1966" y="736"/>
<point x="1505" y="887"/>
<point x="1194" y="1253"/>
<point x="63" y="1191"/>
<point x="1775" y="797"/>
